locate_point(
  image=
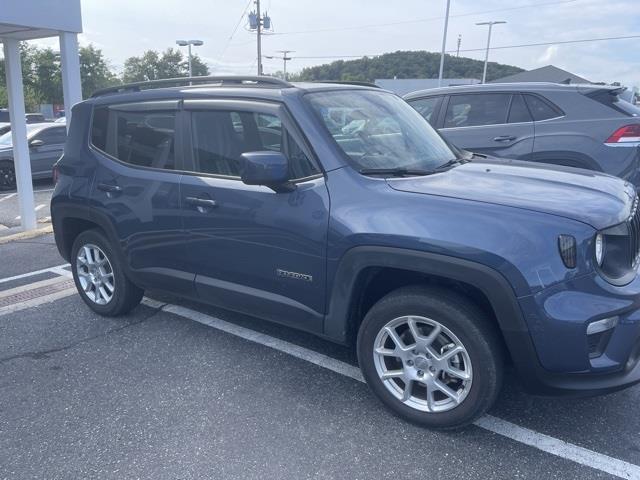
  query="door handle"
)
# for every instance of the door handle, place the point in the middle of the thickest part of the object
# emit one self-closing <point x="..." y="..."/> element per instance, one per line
<point x="202" y="204"/>
<point x="109" y="188"/>
<point x="504" y="138"/>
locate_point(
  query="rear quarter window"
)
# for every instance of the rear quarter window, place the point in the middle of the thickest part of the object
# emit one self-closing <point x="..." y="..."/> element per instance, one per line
<point x="541" y="108"/>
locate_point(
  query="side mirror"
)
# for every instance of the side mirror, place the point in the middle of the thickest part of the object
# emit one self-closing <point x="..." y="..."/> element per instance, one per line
<point x="36" y="143"/>
<point x="266" y="168"/>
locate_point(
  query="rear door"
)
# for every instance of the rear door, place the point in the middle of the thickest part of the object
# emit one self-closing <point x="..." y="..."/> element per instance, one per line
<point x="497" y="124"/>
<point x="136" y="189"/>
<point x="254" y="250"/>
<point x="45" y="155"/>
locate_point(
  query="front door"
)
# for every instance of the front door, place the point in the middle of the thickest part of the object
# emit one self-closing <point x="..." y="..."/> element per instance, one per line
<point x="254" y="250"/>
<point x="45" y="148"/>
<point x="497" y="124"/>
<point x="136" y="189"/>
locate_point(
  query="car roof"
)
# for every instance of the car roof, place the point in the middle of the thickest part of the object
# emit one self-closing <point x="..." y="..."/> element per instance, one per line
<point x="270" y="92"/>
<point x="509" y="87"/>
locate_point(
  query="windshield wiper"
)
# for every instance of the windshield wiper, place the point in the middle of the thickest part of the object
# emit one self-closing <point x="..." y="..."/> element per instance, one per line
<point x="451" y="163"/>
<point x="396" y="172"/>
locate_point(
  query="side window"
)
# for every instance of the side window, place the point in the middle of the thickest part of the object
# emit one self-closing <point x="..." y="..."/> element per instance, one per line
<point x="52" y="136"/>
<point x="540" y="109"/>
<point x="476" y="109"/>
<point x="142" y="138"/>
<point x="216" y="150"/>
<point x="518" y="112"/>
<point x="426" y="107"/>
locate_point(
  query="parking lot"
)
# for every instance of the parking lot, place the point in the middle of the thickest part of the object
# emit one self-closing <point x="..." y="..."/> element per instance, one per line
<point x="181" y="390"/>
<point x="9" y="208"/>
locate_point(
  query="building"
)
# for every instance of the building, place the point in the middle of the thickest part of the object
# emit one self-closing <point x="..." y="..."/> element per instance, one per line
<point x="402" y="86"/>
<point x="550" y="73"/>
<point x="28" y="20"/>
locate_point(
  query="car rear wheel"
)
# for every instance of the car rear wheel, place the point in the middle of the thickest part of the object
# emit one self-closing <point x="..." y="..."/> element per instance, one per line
<point x="431" y="356"/>
<point x="7" y="175"/>
<point x="99" y="276"/>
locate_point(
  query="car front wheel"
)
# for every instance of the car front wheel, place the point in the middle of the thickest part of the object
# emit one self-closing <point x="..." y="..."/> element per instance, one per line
<point x="431" y="356"/>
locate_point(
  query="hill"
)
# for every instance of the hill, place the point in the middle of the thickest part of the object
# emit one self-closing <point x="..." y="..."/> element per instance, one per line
<point x="404" y="64"/>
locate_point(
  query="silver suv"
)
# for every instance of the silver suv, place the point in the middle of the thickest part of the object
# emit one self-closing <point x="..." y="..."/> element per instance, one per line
<point x="584" y="126"/>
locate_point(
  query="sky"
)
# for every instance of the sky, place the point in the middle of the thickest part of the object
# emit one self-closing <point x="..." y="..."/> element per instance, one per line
<point x="320" y="31"/>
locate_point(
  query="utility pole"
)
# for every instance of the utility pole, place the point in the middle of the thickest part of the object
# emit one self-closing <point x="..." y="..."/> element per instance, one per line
<point x="444" y="43"/>
<point x="459" y="42"/>
<point x="486" y="56"/>
<point x="285" y="58"/>
<point x="259" y="33"/>
<point x="258" y="22"/>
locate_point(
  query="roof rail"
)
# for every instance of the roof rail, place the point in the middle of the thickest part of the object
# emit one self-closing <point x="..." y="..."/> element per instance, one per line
<point x="169" y="82"/>
<point x="348" y="82"/>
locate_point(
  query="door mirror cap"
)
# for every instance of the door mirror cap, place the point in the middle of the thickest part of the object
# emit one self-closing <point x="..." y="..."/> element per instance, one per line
<point x="36" y="143"/>
<point x="267" y="168"/>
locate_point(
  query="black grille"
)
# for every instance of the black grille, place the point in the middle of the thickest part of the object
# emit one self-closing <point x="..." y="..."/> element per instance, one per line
<point x="634" y="233"/>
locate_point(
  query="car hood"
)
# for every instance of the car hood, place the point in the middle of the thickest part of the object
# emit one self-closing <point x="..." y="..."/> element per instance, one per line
<point x="6" y="151"/>
<point x="590" y="197"/>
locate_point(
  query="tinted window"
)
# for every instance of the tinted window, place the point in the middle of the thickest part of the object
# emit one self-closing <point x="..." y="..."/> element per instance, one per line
<point x="426" y="107"/>
<point x="472" y="110"/>
<point x="221" y="137"/>
<point x="146" y="139"/>
<point x="379" y="130"/>
<point x="541" y="109"/>
<point x="518" y="112"/>
<point x="52" y="136"/>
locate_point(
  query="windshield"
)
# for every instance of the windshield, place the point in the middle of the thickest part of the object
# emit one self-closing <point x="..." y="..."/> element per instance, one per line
<point x="6" y="141"/>
<point x="378" y="130"/>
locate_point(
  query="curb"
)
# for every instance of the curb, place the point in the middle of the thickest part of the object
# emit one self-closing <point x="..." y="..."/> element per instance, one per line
<point x="28" y="234"/>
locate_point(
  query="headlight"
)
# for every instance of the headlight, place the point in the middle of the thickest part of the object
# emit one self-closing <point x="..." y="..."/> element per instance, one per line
<point x="599" y="243"/>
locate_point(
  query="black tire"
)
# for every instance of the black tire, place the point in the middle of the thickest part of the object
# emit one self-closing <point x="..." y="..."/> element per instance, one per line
<point x="7" y="175"/>
<point x="467" y="322"/>
<point x="126" y="295"/>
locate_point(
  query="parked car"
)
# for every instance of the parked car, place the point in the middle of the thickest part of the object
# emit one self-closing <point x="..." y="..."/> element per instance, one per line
<point x="29" y="117"/>
<point x="4" y="127"/>
<point x="584" y="126"/>
<point x="338" y="210"/>
<point x="46" y="143"/>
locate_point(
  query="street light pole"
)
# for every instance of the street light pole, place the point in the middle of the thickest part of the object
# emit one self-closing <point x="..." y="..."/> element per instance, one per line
<point x="444" y="43"/>
<point x="188" y="44"/>
<point x="486" y="55"/>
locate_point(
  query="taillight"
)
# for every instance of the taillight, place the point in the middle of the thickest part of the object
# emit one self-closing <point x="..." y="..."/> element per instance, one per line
<point x="626" y="134"/>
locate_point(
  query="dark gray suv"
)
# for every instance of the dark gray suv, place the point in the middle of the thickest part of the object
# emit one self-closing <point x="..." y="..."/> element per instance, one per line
<point x="585" y="126"/>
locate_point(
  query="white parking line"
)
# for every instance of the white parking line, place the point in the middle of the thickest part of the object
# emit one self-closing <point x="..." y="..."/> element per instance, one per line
<point x="35" y="272"/>
<point x="40" y="207"/>
<point x="540" y="441"/>
<point x="7" y="197"/>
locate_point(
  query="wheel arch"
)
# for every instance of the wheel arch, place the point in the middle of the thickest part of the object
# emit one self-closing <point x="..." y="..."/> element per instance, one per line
<point x="361" y="267"/>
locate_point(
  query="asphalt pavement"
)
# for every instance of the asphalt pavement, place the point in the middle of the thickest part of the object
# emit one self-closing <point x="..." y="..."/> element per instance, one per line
<point x="10" y="211"/>
<point x="181" y="390"/>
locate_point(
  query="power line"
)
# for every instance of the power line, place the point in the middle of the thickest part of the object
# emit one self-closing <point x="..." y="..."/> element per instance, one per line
<point x="235" y="29"/>
<point x="500" y="47"/>
<point x="422" y="20"/>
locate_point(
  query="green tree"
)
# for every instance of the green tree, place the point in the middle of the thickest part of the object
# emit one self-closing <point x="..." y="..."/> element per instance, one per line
<point x="95" y="72"/>
<point x="404" y="64"/>
<point x="152" y="65"/>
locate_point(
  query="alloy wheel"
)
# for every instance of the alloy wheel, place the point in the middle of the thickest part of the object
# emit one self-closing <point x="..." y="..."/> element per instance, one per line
<point x="423" y="364"/>
<point x="7" y="175"/>
<point x="95" y="274"/>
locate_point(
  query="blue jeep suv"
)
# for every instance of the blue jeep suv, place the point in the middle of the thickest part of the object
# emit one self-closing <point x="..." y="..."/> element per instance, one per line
<point x="338" y="209"/>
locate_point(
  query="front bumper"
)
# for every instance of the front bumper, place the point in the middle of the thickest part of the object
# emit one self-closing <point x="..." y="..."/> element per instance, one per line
<point x="555" y="357"/>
